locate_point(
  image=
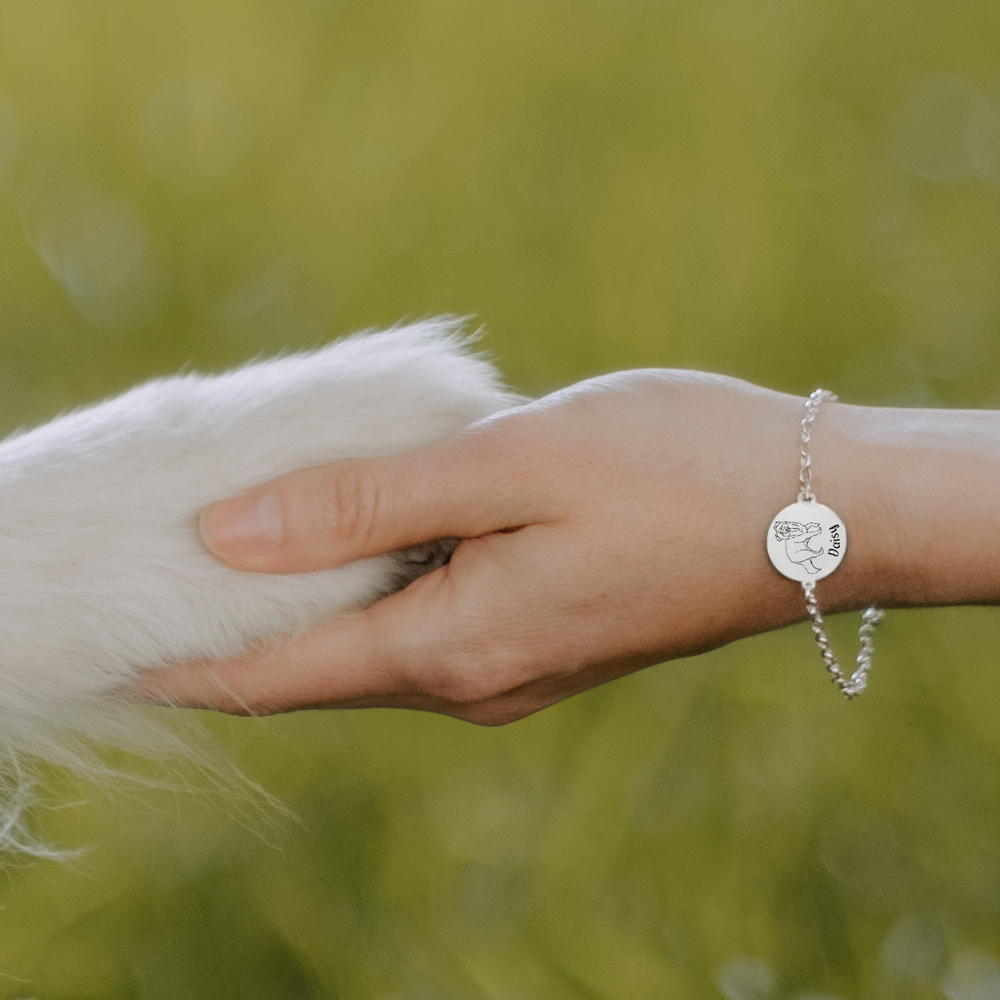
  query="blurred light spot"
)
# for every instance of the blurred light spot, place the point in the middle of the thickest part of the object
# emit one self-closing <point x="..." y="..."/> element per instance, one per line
<point x="914" y="946"/>
<point x="824" y="146"/>
<point x="98" y="250"/>
<point x="486" y="815"/>
<point x="982" y="138"/>
<point x="372" y="121"/>
<point x="193" y="131"/>
<point x="945" y="333"/>
<point x="744" y="978"/>
<point x="859" y="851"/>
<point x="930" y="137"/>
<point x="10" y="135"/>
<point x="972" y="975"/>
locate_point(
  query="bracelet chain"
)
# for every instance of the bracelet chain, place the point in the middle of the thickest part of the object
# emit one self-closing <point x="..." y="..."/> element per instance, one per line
<point x="805" y="459"/>
<point x="871" y="618"/>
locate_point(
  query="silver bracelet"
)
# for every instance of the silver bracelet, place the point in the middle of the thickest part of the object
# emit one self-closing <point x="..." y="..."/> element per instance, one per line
<point x="807" y="542"/>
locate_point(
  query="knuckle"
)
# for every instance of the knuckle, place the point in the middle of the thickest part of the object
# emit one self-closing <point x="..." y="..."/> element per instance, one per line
<point x="345" y="510"/>
<point x="471" y="677"/>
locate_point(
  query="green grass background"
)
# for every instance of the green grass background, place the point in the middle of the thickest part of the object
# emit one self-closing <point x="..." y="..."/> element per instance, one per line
<point x="797" y="192"/>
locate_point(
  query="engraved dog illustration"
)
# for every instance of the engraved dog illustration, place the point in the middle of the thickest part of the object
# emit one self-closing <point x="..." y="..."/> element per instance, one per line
<point x="797" y="537"/>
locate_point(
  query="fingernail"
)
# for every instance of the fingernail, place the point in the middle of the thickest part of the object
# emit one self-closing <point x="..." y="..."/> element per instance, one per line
<point x="243" y="526"/>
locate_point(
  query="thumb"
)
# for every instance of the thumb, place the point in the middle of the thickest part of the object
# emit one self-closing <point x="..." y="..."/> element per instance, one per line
<point x="466" y="485"/>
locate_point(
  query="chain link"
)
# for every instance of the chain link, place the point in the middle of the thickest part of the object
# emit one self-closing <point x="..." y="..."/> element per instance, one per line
<point x="851" y="686"/>
<point x="870" y="620"/>
<point x="805" y="459"/>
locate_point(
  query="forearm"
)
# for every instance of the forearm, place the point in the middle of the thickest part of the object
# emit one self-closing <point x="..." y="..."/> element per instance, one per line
<point x="919" y="491"/>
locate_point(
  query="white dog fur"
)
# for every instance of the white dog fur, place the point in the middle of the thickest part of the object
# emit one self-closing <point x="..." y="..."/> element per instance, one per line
<point x="102" y="572"/>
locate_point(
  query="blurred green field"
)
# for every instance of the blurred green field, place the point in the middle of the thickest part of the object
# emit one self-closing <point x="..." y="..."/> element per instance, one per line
<point x="797" y="192"/>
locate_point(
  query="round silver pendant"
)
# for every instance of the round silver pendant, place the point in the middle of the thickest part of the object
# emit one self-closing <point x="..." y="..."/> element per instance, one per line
<point x="806" y="541"/>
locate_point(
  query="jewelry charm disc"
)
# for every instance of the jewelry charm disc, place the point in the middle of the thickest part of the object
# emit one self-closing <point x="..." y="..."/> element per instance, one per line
<point x="806" y="541"/>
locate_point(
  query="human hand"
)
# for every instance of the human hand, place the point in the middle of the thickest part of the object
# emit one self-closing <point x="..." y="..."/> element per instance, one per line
<point x="609" y="526"/>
